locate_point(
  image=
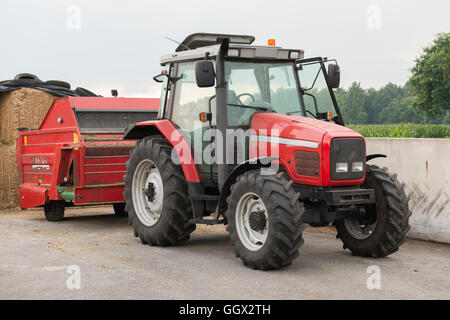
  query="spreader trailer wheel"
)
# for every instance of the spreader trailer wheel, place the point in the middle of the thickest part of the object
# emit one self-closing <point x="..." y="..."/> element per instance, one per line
<point x="156" y="195"/>
<point x="384" y="228"/>
<point x="265" y="220"/>
<point x="119" y="209"/>
<point x="54" y="210"/>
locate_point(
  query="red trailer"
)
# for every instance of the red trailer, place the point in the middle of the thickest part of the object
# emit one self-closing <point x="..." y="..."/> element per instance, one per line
<point x="78" y="156"/>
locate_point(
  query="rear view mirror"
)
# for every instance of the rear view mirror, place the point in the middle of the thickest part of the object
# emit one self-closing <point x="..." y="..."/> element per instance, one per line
<point x="204" y="74"/>
<point x="334" y="76"/>
<point x="160" y="77"/>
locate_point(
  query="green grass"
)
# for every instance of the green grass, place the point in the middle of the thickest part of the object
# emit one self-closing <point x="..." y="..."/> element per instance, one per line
<point x="403" y="130"/>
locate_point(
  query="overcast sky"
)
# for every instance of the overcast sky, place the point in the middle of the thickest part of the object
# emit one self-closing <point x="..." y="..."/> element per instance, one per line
<point x="103" y="45"/>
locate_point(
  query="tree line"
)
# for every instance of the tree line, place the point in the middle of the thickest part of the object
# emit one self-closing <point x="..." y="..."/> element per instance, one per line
<point x="425" y="98"/>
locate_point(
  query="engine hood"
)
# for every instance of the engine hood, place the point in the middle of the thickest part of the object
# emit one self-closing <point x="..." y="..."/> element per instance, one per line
<point x="297" y="127"/>
<point x="302" y="141"/>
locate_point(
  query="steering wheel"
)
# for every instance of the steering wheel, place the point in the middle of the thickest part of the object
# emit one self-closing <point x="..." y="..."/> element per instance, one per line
<point x="245" y="94"/>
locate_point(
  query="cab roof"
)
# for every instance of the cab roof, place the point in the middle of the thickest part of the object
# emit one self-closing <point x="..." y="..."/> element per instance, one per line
<point x="197" y="40"/>
<point x="196" y="45"/>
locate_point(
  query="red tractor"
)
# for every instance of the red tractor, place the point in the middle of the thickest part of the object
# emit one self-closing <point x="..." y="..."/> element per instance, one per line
<point x="252" y="137"/>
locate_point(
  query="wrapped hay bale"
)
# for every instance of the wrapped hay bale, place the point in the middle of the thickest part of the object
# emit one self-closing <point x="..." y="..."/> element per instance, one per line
<point x="9" y="177"/>
<point x="22" y="108"/>
<point x="19" y="108"/>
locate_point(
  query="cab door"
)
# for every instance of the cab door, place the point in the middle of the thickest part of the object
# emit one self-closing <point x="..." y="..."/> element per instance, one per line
<point x="188" y="102"/>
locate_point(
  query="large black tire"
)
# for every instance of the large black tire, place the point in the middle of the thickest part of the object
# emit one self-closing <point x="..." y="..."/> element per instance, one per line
<point x="58" y="83"/>
<point x="392" y="217"/>
<point x="54" y="210"/>
<point x="284" y="215"/>
<point x="173" y="226"/>
<point x="26" y="76"/>
<point x="82" y="92"/>
<point x="119" y="209"/>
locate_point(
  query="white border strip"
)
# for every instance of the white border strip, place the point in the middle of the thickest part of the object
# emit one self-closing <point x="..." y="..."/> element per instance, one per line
<point x="289" y="142"/>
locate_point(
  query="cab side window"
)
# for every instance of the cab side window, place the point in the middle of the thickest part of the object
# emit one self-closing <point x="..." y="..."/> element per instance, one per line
<point x="165" y="93"/>
<point x="189" y="100"/>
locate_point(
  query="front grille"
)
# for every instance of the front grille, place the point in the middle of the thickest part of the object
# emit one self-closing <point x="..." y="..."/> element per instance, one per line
<point x="307" y="163"/>
<point x="347" y="150"/>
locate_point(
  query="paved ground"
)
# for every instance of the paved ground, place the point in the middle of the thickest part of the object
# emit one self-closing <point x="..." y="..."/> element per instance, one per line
<point x="34" y="255"/>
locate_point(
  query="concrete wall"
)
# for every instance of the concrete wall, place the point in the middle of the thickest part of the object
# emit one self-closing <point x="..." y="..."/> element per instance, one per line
<point x="423" y="165"/>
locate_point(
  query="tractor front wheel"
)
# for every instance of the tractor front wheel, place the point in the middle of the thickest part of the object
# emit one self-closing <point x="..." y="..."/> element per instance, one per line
<point x="384" y="228"/>
<point x="265" y="220"/>
<point x="156" y="194"/>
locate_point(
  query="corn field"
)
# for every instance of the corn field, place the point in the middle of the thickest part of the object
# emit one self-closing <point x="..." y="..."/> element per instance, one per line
<point x="404" y="130"/>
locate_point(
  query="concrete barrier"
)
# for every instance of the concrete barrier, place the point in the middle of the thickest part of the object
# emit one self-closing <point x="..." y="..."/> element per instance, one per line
<point x="423" y="165"/>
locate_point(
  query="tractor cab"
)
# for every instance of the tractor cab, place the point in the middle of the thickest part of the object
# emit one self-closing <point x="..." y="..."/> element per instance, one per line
<point x="257" y="79"/>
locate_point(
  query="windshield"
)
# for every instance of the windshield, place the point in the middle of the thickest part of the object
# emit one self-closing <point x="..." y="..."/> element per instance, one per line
<point x="316" y="94"/>
<point x="260" y="87"/>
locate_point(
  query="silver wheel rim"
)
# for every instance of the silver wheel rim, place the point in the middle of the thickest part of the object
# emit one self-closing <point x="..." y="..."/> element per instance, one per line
<point x="148" y="192"/>
<point x="357" y="230"/>
<point x="250" y="203"/>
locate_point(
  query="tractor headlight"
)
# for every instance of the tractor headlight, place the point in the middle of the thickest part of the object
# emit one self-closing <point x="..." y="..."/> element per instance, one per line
<point x="357" y="166"/>
<point x="341" y="167"/>
<point x="347" y="158"/>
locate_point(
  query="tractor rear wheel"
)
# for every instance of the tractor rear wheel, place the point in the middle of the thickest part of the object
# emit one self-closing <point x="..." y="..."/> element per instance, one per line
<point x="119" y="209"/>
<point x="385" y="227"/>
<point x="156" y="194"/>
<point x="265" y="220"/>
<point x="54" y="210"/>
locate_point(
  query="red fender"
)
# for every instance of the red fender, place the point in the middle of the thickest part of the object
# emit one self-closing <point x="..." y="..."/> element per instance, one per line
<point x="166" y="128"/>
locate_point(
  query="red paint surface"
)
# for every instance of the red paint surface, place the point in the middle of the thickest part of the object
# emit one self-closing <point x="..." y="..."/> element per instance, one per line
<point x="98" y="160"/>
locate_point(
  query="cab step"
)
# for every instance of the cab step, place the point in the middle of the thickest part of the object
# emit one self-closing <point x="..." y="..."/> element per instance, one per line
<point x="207" y="221"/>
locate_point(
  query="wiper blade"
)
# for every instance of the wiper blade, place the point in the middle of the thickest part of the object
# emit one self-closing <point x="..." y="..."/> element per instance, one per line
<point x="291" y="112"/>
<point x="246" y="106"/>
<point x="307" y="111"/>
